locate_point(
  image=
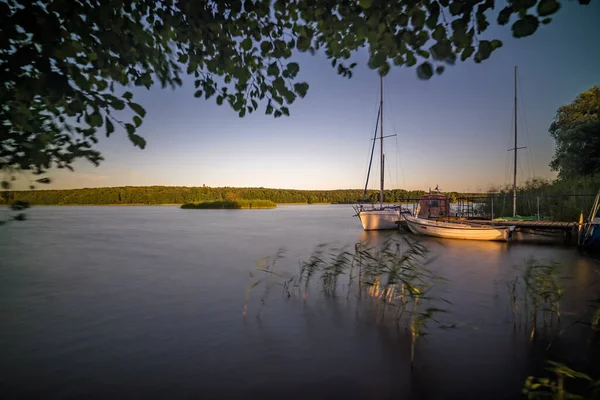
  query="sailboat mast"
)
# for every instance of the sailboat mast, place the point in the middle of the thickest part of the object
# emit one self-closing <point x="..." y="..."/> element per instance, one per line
<point x="381" y="137"/>
<point x="515" y="150"/>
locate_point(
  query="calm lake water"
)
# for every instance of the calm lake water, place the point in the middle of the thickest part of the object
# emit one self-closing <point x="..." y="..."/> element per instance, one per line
<point x="146" y="302"/>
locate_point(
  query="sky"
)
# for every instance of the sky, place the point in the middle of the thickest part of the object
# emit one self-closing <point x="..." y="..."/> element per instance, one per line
<point x="452" y="130"/>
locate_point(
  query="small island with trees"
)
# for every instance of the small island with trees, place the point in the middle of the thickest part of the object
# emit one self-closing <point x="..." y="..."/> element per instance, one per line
<point x="230" y="204"/>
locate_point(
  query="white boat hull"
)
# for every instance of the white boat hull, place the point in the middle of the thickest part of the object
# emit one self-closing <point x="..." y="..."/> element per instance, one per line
<point x="453" y="230"/>
<point x="374" y="220"/>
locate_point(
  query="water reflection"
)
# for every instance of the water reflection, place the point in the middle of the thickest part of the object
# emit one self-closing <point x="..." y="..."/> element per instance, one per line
<point x="152" y="307"/>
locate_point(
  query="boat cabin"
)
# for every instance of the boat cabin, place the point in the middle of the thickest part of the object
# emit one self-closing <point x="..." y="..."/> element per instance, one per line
<point x="434" y="205"/>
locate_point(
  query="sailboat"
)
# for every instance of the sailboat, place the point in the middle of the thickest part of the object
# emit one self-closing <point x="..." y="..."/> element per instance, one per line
<point x="382" y="217"/>
<point x="516" y="217"/>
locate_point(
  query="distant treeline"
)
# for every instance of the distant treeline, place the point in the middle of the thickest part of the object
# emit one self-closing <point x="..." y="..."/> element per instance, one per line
<point x="182" y="194"/>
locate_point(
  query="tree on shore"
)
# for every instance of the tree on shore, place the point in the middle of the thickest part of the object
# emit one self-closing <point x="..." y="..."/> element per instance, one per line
<point x="66" y="65"/>
<point x="576" y="130"/>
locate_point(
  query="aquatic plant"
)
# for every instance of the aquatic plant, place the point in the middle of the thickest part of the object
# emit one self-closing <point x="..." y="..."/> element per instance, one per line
<point x="514" y="299"/>
<point x="388" y="277"/>
<point x="340" y="262"/>
<point x="266" y="266"/>
<point x="541" y="296"/>
<point x="548" y="388"/>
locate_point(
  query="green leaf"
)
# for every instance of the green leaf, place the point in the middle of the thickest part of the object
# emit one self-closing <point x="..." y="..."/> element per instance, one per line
<point x="293" y="69"/>
<point x="127" y="95"/>
<point x="110" y="128"/>
<point x="247" y="44"/>
<point x="418" y="19"/>
<point x="5" y="185"/>
<point x="496" y="44"/>
<point x="484" y="51"/>
<point x="439" y="70"/>
<point x="303" y="43"/>
<point x="377" y="60"/>
<point x="526" y="26"/>
<point x="410" y="59"/>
<point x="384" y="69"/>
<point x="547" y="7"/>
<point x="441" y="50"/>
<point x="467" y="52"/>
<point x="198" y="94"/>
<point x="546" y="21"/>
<point x="439" y="33"/>
<point x="135" y="139"/>
<point x="482" y="23"/>
<point x="95" y="119"/>
<point x="504" y="15"/>
<point x="265" y="46"/>
<point x="425" y="71"/>
<point x="117" y="104"/>
<point x="456" y="7"/>
<point x="137" y="120"/>
<point x="269" y="109"/>
<point x="434" y="14"/>
<point x="301" y="88"/>
<point x="366" y="4"/>
<point x="279" y="84"/>
<point x="402" y="19"/>
<point x="273" y="69"/>
<point x="139" y="110"/>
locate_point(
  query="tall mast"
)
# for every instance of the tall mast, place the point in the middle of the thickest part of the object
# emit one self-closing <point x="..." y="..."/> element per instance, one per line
<point x="381" y="136"/>
<point x="515" y="150"/>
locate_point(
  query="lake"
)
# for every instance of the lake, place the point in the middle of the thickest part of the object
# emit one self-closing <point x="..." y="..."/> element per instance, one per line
<point x="146" y="302"/>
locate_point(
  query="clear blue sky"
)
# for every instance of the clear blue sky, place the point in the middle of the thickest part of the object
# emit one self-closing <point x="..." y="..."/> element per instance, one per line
<point x="453" y="130"/>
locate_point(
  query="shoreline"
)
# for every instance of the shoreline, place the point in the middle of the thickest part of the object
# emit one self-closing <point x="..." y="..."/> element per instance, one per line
<point x="177" y="204"/>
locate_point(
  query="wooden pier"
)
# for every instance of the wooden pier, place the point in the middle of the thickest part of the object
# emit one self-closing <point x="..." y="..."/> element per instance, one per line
<point x="568" y="230"/>
<point x="533" y="225"/>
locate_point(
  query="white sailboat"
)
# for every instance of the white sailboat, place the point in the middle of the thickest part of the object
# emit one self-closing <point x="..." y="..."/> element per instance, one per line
<point x="382" y="217"/>
<point x="455" y="230"/>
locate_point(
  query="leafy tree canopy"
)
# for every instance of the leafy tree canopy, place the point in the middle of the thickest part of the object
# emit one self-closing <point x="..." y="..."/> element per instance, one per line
<point x="576" y="129"/>
<point x="65" y="65"/>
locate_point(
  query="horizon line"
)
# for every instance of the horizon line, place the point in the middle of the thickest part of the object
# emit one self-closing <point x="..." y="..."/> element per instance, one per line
<point x="244" y="187"/>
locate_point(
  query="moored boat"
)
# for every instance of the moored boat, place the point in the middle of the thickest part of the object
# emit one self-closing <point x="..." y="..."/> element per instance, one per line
<point x="590" y="230"/>
<point x="455" y="230"/>
<point x="382" y="219"/>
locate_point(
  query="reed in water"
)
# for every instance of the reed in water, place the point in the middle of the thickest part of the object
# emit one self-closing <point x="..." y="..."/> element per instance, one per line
<point x="396" y="281"/>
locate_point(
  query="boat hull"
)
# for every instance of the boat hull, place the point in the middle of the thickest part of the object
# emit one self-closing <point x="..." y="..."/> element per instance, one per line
<point x="591" y="239"/>
<point x="449" y="230"/>
<point x="376" y="220"/>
